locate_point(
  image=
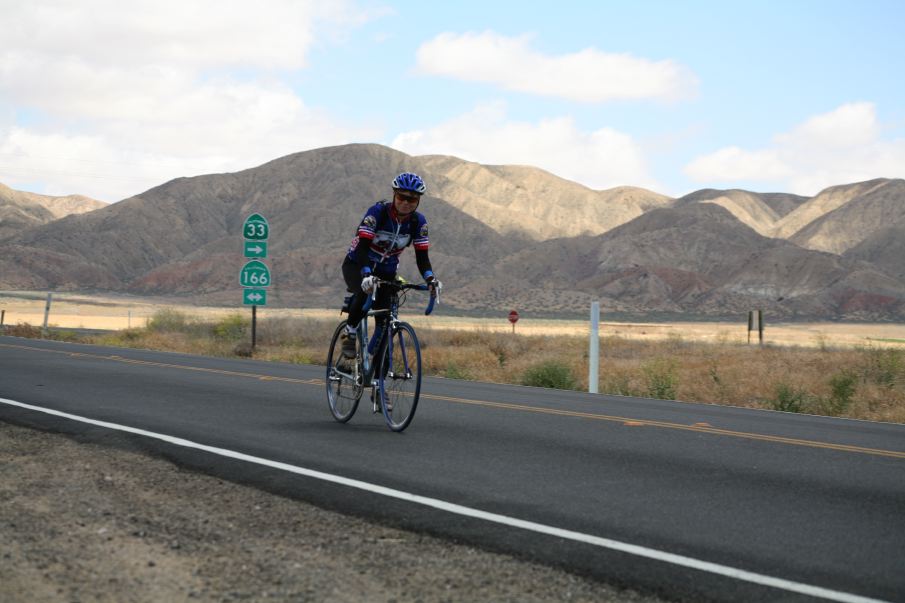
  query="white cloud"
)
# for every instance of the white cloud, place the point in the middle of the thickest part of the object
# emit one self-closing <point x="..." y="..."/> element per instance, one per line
<point x="848" y="126"/>
<point x="734" y="163"/>
<point x="601" y="159"/>
<point x="588" y="75"/>
<point x="192" y="34"/>
<point x="110" y="98"/>
<point x="837" y="147"/>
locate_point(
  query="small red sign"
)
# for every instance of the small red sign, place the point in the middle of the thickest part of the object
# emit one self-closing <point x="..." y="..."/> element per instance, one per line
<point x="513" y="317"/>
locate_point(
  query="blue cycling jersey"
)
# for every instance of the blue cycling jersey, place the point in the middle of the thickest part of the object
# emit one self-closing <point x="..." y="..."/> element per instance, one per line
<point x="387" y="238"/>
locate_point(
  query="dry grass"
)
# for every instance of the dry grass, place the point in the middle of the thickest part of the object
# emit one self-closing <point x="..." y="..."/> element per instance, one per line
<point x="74" y="310"/>
<point x="864" y="382"/>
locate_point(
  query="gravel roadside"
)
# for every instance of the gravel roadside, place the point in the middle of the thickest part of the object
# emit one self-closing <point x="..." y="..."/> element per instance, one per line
<point x="83" y="522"/>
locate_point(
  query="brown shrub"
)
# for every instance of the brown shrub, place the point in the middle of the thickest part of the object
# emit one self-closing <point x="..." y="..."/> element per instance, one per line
<point x="22" y="329"/>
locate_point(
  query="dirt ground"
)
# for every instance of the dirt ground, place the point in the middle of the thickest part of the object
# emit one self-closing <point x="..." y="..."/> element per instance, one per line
<point x="82" y="522"/>
<point x="70" y="310"/>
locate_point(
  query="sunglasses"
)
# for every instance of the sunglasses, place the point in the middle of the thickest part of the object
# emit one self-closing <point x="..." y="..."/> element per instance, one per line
<point x="408" y="198"/>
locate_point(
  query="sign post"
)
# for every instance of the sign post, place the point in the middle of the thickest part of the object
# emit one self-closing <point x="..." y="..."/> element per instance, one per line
<point x="756" y="323"/>
<point x="255" y="275"/>
<point x="760" y="327"/>
<point x="513" y="318"/>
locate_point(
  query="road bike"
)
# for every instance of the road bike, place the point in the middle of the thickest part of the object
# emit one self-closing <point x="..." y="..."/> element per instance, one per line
<point x="389" y="363"/>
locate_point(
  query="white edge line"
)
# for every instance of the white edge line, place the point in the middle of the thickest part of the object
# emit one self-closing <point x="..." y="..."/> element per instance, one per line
<point x="615" y="545"/>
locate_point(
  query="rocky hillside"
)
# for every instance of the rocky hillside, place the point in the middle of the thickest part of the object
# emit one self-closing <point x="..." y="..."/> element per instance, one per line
<point x="531" y="202"/>
<point x="694" y="259"/>
<point x="21" y="210"/>
<point x="884" y="248"/>
<point x="761" y="211"/>
<point x="502" y="236"/>
<point x="873" y="206"/>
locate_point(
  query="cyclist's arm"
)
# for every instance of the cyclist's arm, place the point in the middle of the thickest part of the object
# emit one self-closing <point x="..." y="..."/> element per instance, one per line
<point x="421" y="244"/>
<point x="361" y="253"/>
<point x="365" y="236"/>
<point x="424" y="263"/>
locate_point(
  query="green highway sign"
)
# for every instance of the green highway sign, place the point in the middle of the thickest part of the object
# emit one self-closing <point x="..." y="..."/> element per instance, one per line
<point x="254" y="297"/>
<point x="256" y="228"/>
<point x="255" y="249"/>
<point x="255" y="274"/>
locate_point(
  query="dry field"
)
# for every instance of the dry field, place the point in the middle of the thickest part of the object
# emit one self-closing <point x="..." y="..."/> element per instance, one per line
<point x="70" y="310"/>
<point x="849" y="370"/>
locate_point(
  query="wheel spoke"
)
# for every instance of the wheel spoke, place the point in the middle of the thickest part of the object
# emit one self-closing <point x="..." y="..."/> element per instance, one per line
<point x="343" y="388"/>
<point x="401" y="383"/>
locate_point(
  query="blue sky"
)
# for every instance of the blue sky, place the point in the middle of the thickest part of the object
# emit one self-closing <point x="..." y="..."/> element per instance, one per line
<point x="670" y="96"/>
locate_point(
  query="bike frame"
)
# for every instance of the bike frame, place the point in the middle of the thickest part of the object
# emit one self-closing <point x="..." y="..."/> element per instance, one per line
<point x="367" y="366"/>
<point x="369" y="369"/>
<point x="390" y="323"/>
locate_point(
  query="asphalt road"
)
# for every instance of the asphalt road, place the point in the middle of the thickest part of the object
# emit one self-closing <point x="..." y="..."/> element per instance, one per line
<point x="683" y="500"/>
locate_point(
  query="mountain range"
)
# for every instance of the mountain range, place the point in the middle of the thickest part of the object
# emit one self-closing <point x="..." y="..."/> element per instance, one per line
<point x="20" y="210"/>
<point x="502" y="237"/>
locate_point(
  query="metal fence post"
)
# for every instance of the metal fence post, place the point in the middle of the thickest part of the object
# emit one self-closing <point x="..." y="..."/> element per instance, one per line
<point x="46" y="313"/>
<point x="594" y="351"/>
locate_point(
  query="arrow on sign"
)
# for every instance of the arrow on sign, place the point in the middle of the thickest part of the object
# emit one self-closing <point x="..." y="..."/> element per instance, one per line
<point x="255" y="249"/>
<point x="254" y="297"/>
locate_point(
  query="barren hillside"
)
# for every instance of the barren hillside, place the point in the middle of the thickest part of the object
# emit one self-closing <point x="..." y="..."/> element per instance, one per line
<point x="872" y="207"/>
<point x="533" y="202"/>
<point x="502" y="237"/>
<point x="21" y="210"/>
<point x="760" y="211"/>
<point x="696" y="259"/>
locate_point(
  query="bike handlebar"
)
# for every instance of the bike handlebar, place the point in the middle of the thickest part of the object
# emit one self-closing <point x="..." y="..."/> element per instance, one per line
<point x="401" y="287"/>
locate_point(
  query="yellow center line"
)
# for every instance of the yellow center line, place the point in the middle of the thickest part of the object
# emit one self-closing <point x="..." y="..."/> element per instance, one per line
<point x="184" y="367"/>
<point x="668" y="425"/>
<point x="698" y="427"/>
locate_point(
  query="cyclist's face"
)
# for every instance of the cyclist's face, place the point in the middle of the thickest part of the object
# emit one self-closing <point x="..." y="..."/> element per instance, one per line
<point x="405" y="202"/>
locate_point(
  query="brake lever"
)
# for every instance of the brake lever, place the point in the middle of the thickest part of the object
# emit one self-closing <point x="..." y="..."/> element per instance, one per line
<point x="372" y="297"/>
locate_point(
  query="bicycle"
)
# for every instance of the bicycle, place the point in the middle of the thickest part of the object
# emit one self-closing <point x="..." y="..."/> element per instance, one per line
<point x="395" y="388"/>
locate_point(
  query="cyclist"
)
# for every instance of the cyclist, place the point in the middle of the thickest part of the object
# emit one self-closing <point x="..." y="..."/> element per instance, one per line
<point x="386" y="229"/>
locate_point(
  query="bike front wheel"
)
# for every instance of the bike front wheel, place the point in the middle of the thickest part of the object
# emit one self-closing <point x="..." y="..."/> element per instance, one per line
<point x="399" y="376"/>
<point x="344" y="379"/>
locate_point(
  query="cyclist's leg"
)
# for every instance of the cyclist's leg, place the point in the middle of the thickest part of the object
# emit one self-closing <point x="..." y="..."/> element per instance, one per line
<point x="381" y="303"/>
<point x="352" y="277"/>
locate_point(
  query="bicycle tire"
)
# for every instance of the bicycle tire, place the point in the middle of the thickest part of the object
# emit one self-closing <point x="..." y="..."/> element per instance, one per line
<point x="343" y="391"/>
<point x="399" y="377"/>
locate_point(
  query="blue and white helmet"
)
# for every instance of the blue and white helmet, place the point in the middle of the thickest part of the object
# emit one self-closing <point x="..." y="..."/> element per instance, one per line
<point x="407" y="181"/>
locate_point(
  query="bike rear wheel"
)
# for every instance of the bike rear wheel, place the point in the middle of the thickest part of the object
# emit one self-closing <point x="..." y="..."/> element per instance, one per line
<point x="399" y="376"/>
<point x="344" y="379"/>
